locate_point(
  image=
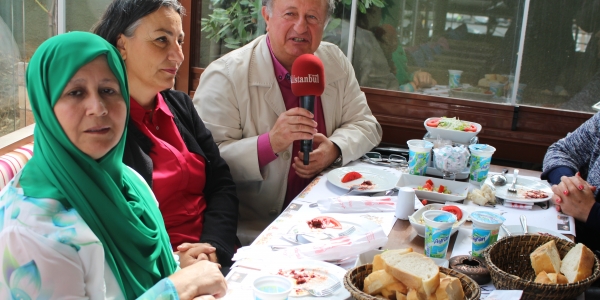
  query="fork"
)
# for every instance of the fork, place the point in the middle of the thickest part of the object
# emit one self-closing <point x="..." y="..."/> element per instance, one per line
<point x="352" y="189"/>
<point x="348" y="231"/>
<point x="512" y="188"/>
<point x="324" y="292"/>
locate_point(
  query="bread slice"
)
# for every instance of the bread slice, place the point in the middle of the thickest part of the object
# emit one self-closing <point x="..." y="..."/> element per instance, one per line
<point x="578" y="263"/>
<point x="400" y="296"/>
<point x="542" y="277"/>
<point x="376" y="281"/>
<point x="558" y="278"/>
<point x="546" y="258"/>
<point x="415" y="271"/>
<point x="380" y="261"/>
<point x="450" y="289"/>
<point x="413" y="295"/>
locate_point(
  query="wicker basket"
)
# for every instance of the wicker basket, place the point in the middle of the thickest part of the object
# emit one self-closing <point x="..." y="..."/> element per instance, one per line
<point x="354" y="279"/>
<point x="510" y="266"/>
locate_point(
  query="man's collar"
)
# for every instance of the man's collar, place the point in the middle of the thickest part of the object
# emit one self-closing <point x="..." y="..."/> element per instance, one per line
<point x="280" y="72"/>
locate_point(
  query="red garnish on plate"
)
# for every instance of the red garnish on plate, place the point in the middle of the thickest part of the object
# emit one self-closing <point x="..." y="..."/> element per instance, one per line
<point x="350" y="176"/>
<point x="323" y="222"/>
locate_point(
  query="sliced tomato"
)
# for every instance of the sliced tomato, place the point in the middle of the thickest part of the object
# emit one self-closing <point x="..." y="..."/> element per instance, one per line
<point x="351" y="176"/>
<point x="455" y="210"/>
<point x="324" y="222"/>
<point x="433" y="122"/>
<point x="429" y="182"/>
<point x="471" y="128"/>
<point x="424" y="201"/>
<point x="428" y="187"/>
<point x="441" y="189"/>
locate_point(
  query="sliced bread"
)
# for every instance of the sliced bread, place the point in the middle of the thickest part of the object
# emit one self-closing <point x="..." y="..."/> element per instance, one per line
<point x="542" y="277"/>
<point x="546" y="258"/>
<point x="558" y="278"/>
<point x="376" y="281"/>
<point x="400" y="296"/>
<point x="450" y="289"/>
<point x="578" y="263"/>
<point x="414" y="270"/>
<point x="380" y="261"/>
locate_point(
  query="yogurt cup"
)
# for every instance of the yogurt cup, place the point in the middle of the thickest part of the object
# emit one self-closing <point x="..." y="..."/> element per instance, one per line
<point x="419" y="155"/>
<point x="438" y="226"/>
<point x="481" y="158"/>
<point x="271" y="287"/>
<point x="486" y="226"/>
<point x="454" y="78"/>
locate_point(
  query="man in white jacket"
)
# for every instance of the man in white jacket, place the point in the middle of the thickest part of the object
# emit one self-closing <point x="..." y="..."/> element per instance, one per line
<point x="245" y="100"/>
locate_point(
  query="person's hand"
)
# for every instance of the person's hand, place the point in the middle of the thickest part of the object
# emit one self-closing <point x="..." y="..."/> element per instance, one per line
<point x="200" y="279"/>
<point x="574" y="196"/>
<point x="294" y="124"/>
<point x="423" y="79"/>
<point x="190" y="253"/>
<point x="320" y="158"/>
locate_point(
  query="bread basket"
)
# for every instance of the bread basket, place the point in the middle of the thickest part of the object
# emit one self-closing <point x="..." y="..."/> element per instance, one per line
<point x="510" y="266"/>
<point x="354" y="279"/>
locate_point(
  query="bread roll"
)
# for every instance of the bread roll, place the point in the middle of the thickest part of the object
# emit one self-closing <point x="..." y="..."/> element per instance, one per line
<point x="391" y="290"/>
<point x="415" y="271"/>
<point x="413" y="295"/>
<point x="546" y="258"/>
<point x="376" y="281"/>
<point x="450" y="289"/>
<point x="578" y="263"/>
<point x="501" y="79"/>
<point x="484" y="82"/>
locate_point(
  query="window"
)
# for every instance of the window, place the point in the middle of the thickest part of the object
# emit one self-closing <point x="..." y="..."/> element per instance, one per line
<point x="24" y="25"/>
<point x="480" y="40"/>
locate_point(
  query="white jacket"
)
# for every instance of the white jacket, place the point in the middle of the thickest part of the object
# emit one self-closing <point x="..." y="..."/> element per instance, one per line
<point x="238" y="99"/>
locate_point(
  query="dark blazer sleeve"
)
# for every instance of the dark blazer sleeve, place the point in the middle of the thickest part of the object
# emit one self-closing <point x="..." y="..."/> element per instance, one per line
<point x="221" y="214"/>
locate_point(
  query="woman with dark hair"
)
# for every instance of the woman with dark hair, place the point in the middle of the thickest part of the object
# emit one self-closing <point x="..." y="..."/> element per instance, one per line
<point x="167" y="142"/>
<point x="77" y="223"/>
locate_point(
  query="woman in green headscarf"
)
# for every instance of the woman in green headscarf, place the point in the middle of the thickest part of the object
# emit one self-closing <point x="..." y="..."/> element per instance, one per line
<point x="77" y="222"/>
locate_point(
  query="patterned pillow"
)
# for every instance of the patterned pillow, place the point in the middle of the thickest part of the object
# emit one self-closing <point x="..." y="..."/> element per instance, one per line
<point x="11" y="163"/>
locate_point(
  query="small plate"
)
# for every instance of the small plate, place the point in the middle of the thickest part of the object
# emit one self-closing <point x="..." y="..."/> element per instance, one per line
<point x="462" y="137"/>
<point x="382" y="180"/>
<point x="361" y="226"/>
<point x="459" y="189"/>
<point x="523" y="185"/>
<point x="517" y="230"/>
<point x="325" y="275"/>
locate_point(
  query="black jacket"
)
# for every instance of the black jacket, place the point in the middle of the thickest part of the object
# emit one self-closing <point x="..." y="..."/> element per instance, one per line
<point x="221" y="214"/>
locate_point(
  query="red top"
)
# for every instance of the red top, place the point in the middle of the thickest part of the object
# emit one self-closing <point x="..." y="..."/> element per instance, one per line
<point x="295" y="183"/>
<point x="178" y="176"/>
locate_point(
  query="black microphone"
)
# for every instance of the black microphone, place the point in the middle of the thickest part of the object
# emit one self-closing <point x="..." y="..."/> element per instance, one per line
<point x="308" y="81"/>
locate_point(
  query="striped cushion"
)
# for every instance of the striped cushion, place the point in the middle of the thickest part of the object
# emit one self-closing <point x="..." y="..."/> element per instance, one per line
<point x="11" y="163"/>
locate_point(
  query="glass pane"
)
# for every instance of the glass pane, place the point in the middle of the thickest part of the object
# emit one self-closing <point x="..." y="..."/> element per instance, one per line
<point x="412" y="45"/>
<point x="24" y="25"/>
<point x="81" y="15"/>
<point x="561" y="56"/>
<point x="226" y="25"/>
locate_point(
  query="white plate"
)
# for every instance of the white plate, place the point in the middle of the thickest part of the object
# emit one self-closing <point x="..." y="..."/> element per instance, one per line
<point x="517" y="229"/>
<point x="362" y="226"/>
<point x="459" y="189"/>
<point x="326" y="275"/>
<point x="382" y="180"/>
<point x="462" y="137"/>
<point x="523" y="184"/>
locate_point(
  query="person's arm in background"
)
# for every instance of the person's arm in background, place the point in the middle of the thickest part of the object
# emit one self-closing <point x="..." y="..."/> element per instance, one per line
<point x="572" y="153"/>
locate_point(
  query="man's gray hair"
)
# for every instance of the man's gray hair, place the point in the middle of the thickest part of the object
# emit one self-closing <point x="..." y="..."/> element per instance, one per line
<point x="330" y="7"/>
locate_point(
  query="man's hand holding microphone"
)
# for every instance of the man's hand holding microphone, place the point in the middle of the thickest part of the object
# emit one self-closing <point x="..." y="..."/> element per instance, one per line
<point x="308" y="82"/>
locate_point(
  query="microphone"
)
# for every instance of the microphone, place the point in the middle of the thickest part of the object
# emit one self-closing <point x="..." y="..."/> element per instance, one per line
<point x="308" y="81"/>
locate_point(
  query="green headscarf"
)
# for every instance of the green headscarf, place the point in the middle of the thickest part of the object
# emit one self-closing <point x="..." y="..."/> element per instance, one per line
<point x="111" y="199"/>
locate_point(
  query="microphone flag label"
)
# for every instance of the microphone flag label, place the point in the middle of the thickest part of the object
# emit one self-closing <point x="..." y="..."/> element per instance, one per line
<point x="311" y="78"/>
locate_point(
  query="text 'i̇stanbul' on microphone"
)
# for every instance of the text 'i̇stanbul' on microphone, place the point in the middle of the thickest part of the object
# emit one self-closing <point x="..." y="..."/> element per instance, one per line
<point x="311" y="78"/>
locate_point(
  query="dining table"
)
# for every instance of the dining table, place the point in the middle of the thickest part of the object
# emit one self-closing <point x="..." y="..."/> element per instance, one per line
<point x="265" y="256"/>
